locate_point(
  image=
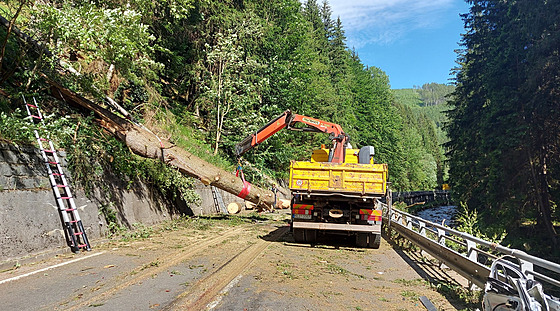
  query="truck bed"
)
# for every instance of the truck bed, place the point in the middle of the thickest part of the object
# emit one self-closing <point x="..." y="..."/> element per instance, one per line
<point x="343" y="178"/>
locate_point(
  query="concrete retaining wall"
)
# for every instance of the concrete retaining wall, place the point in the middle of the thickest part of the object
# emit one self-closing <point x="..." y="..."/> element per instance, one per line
<point x="29" y="219"/>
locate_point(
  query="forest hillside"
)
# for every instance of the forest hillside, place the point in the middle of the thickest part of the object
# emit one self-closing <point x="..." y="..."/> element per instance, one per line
<point x="207" y="73"/>
<point x="425" y="108"/>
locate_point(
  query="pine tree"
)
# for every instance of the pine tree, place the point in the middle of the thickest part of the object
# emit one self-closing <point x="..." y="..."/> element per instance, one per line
<point x="500" y="152"/>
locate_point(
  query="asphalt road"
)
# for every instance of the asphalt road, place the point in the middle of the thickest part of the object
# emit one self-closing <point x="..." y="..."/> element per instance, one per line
<point x="212" y="264"/>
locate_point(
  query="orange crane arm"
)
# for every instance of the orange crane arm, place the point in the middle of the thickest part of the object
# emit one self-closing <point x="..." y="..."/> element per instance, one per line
<point x="287" y="120"/>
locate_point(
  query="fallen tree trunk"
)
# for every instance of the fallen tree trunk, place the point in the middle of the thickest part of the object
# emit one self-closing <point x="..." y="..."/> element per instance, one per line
<point x="145" y="144"/>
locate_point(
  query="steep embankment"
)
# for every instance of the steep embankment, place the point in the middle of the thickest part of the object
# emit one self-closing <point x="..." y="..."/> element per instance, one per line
<point x="29" y="216"/>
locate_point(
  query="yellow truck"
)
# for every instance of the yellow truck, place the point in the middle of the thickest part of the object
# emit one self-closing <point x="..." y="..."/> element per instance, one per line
<point x="339" y="191"/>
<point x="341" y="198"/>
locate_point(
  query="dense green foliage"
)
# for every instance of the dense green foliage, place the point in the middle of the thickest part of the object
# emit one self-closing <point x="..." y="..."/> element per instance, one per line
<point x="430" y="99"/>
<point x="94" y="157"/>
<point x="424" y="109"/>
<point x="224" y="69"/>
<point x="504" y="130"/>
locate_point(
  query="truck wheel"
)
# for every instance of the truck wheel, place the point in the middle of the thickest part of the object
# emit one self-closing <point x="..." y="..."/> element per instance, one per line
<point x="299" y="235"/>
<point x="361" y="240"/>
<point x="311" y="235"/>
<point x="374" y="240"/>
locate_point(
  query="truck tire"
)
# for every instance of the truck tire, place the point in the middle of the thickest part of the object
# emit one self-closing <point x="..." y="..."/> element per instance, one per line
<point x="310" y="236"/>
<point x="299" y="235"/>
<point x="362" y="240"/>
<point x="305" y="235"/>
<point x="374" y="240"/>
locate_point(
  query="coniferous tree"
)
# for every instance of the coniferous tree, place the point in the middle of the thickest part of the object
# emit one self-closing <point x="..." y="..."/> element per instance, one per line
<point x="504" y="129"/>
<point x="326" y="17"/>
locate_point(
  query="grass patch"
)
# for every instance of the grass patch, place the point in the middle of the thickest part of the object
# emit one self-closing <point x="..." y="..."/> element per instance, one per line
<point x="335" y="269"/>
<point x="149" y="265"/>
<point x="409" y="294"/>
<point x="192" y="141"/>
<point x="289" y="274"/>
<point x="139" y="232"/>
<point x="414" y="282"/>
<point x="471" y="299"/>
<point x="284" y="268"/>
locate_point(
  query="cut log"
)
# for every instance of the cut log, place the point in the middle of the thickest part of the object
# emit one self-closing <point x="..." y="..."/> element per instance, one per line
<point x="249" y="205"/>
<point x="234" y="208"/>
<point x="284" y="204"/>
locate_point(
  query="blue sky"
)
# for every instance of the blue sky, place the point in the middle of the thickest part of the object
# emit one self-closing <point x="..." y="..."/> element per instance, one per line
<point x="413" y="41"/>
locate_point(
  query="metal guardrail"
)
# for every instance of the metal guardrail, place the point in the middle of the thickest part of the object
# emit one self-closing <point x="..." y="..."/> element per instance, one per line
<point x="421" y="196"/>
<point x="469" y="256"/>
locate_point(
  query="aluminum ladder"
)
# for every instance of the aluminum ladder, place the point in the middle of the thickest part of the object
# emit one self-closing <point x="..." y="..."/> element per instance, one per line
<point x="218" y="201"/>
<point x="74" y="232"/>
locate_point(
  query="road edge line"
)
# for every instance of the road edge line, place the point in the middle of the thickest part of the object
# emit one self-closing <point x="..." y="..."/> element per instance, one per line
<point x="49" y="268"/>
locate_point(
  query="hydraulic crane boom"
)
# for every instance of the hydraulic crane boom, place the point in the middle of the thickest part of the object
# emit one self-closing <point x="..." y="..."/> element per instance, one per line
<point x="340" y="194"/>
<point x="288" y="120"/>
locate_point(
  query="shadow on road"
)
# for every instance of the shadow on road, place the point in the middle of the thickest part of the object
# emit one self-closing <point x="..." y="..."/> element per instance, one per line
<point x="442" y="280"/>
<point x="324" y="241"/>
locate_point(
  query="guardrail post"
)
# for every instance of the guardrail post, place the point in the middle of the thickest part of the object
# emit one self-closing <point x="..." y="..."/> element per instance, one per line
<point x="397" y="217"/>
<point x="389" y="201"/>
<point x="422" y="228"/>
<point x="441" y="236"/>
<point x="408" y="223"/>
<point x="441" y="241"/>
<point x="472" y="254"/>
<point x="525" y="267"/>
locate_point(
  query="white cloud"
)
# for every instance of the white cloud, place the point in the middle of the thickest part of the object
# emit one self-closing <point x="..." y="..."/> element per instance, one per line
<point x="385" y="21"/>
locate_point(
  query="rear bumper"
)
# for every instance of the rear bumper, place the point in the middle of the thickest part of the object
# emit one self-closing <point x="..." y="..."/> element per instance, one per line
<point x="376" y="229"/>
